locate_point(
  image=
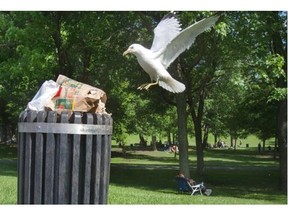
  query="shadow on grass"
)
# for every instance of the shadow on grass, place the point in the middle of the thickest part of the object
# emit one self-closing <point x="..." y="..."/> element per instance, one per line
<point x="8" y="168"/>
<point x="249" y="156"/>
<point x="8" y="160"/>
<point x="169" y="158"/>
<point x="259" y="184"/>
<point x="8" y="152"/>
<point x="217" y="157"/>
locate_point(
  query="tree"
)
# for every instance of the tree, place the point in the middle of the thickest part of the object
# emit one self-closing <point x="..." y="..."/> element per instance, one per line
<point x="278" y="37"/>
<point x="266" y="71"/>
<point x="198" y="71"/>
<point x="26" y="59"/>
<point x="240" y="61"/>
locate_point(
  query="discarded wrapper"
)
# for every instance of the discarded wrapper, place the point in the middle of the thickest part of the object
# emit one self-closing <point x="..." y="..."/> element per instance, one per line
<point x="45" y="93"/>
<point x="69" y="95"/>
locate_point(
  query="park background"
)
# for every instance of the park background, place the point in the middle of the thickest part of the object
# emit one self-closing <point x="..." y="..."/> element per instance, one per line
<point x="33" y="59"/>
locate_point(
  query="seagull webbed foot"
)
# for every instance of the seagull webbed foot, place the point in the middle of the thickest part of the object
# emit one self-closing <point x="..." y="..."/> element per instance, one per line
<point x="146" y="86"/>
<point x="141" y="87"/>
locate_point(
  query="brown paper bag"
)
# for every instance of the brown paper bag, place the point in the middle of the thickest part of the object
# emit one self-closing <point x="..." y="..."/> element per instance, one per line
<point x="77" y="96"/>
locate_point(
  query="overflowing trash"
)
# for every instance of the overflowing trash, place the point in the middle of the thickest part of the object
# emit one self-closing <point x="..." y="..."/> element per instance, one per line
<point x="68" y="95"/>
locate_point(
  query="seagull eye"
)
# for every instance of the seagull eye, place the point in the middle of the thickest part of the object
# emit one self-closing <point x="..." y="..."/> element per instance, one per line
<point x="132" y="47"/>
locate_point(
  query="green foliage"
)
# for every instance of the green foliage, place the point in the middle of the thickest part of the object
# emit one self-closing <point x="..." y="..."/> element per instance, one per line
<point x="277" y="94"/>
<point x="222" y="29"/>
<point x="25" y="62"/>
<point x="242" y="97"/>
<point x="232" y="63"/>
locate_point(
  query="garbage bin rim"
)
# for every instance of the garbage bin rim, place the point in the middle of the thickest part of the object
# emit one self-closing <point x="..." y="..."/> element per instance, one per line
<point x="64" y="128"/>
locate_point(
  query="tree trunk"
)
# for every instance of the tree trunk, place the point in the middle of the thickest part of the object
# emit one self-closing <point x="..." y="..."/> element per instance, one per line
<point x="231" y="141"/>
<point x="275" y="147"/>
<point x="197" y="121"/>
<point x="235" y="143"/>
<point x="280" y="48"/>
<point x="282" y="142"/>
<point x="143" y="142"/>
<point x="205" y="136"/>
<point x="263" y="146"/>
<point x="182" y="134"/>
<point x="63" y="64"/>
<point x="154" y="143"/>
<point x="199" y="146"/>
<point x="215" y="139"/>
<point x="169" y="138"/>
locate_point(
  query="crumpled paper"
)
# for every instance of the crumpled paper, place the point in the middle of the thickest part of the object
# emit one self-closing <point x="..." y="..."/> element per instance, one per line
<point x="67" y="94"/>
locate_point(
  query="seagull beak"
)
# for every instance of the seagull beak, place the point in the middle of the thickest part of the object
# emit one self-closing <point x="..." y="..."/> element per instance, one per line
<point x="126" y="52"/>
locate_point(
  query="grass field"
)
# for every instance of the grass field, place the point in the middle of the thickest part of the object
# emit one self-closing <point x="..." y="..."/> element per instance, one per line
<point x="251" y="140"/>
<point x="148" y="177"/>
<point x="236" y="177"/>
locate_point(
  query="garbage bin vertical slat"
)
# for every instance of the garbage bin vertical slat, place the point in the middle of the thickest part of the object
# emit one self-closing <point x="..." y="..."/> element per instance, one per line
<point x="64" y="169"/>
<point x="38" y="177"/>
<point x="108" y="121"/>
<point x="49" y="162"/>
<point x="28" y="171"/>
<point x="88" y="157"/>
<point x="97" y="162"/>
<point x="21" y="156"/>
<point x="105" y="164"/>
<point x="77" y="119"/>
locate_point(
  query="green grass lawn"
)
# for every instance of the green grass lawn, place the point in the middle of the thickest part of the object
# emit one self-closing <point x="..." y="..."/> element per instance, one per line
<point x="148" y="177"/>
<point x="8" y="175"/>
<point x="251" y="140"/>
<point x="236" y="177"/>
<point x="159" y="187"/>
<point x="8" y="183"/>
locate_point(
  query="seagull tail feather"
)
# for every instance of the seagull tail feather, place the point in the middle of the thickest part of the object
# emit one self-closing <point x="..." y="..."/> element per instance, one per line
<point x="172" y="85"/>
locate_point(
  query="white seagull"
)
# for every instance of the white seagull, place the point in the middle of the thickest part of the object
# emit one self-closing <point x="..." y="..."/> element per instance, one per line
<point x="168" y="43"/>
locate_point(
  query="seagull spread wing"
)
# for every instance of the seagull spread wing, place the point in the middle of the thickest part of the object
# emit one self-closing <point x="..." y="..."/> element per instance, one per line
<point x="183" y="40"/>
<point x="167" y="29"/>
<point x="168" y="43"/>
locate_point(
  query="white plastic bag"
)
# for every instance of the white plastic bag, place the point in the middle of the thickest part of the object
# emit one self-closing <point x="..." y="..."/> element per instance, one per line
<point x="44" y="94"/>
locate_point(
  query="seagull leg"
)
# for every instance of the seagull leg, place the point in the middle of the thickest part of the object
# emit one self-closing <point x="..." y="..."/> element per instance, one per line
<point x="150" y="84"/>
<point x="147" y="85"/>
<point x="142" y="86"/>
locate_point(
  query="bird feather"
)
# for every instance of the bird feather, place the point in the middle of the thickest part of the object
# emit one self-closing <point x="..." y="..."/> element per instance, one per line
<point x="184" y="40"/>
<point x="167" y="29"/>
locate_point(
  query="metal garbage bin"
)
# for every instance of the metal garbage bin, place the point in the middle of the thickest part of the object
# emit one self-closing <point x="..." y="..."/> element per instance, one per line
<point x="63" y="158"/>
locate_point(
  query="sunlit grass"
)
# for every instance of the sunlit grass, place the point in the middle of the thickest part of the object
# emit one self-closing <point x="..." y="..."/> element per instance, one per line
<point x="8" y="194"/>
<point x="251" y="140"/>
<point x="130" y="195"/>
<point x="8" y="182"/>
<point x="236" y="177"/>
